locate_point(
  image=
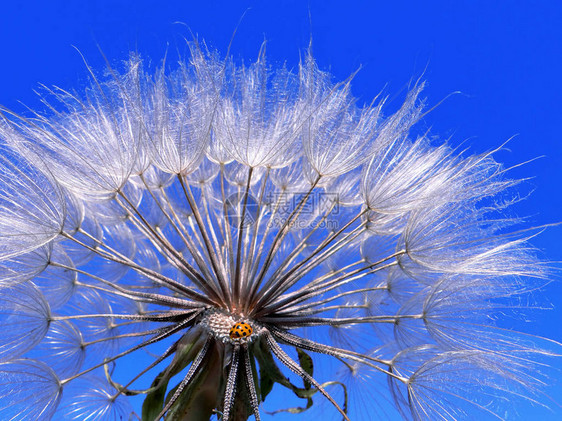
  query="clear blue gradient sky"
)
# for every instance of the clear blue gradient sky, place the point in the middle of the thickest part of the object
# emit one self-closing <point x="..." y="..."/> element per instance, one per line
<point x="504" y="57"/>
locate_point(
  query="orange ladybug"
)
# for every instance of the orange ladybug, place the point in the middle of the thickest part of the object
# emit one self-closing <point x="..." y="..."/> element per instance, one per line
<point x="240" y="330"/>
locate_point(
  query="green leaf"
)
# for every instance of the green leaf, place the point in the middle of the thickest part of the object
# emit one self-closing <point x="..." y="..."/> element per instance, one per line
<point x="186" y="351"/>
<point x="270" y="374"/>
<point x="198" y="400"/>
<point x="299" y="409"/>
<point x="307" y="365"/>
<point x="154" y="401"/>
<point x="266" y="384"/>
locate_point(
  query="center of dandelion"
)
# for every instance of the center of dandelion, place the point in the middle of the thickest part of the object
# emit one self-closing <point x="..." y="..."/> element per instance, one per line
<point x="227" y="327"/>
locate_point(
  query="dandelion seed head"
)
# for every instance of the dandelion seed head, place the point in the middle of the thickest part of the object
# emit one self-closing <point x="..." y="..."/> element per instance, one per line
<point x="229" y="223"/>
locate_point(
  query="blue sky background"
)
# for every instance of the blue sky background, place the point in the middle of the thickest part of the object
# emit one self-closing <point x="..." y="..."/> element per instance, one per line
<point x="504" y="57"/>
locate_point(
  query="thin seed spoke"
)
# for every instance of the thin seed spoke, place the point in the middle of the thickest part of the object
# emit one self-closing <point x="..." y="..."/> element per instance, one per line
<point x="157" y="361"/>
<point x="126" y="335"/>
<point x="164" y="333"/>
<point x="226" y="226"/>
<point x="306" y="344"/>
<point x="230" y="389"/>
<point x="237" y="270"/>
<point x="151" y="297"/>
<point x="211" y="253"/>
<point x="250" y="382"/>
<point x="201" y="264"/>
<point x="168" y="316"/>
<point x="248" y="261"/>
<point x="160" y="241"/>
<point x="153" y="275"/>
<point x="302" y="245"/>
<point x="265" y="236"/>
<point x="321" y="288"/>
<point x="290" y="322"/>
<point x="279" y="238"/>
<point x="297" y="308"/>
<point x="220" y="256"/>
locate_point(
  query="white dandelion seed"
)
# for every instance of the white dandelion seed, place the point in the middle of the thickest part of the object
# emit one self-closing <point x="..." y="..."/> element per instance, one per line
<point x="223" y="218"/>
